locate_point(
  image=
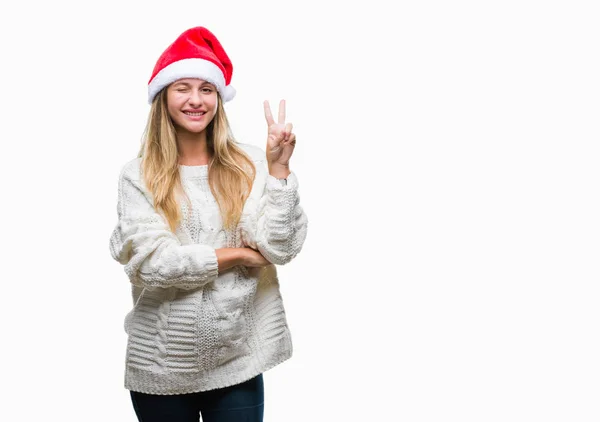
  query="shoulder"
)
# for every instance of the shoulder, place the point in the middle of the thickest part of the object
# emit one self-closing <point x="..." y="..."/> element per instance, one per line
<point x="131" y="170"/>
<point x="132" y="167"/>
<point x="255" y="153"/>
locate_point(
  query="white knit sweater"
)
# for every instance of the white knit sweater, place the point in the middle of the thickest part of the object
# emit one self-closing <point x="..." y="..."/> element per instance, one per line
<point x="191" y="328"/>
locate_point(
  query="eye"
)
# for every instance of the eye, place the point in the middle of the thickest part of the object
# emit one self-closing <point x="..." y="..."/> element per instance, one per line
<point x="207" y="90"/>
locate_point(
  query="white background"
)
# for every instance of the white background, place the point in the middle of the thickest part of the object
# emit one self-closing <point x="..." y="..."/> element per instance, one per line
<point x="448" y="162"/>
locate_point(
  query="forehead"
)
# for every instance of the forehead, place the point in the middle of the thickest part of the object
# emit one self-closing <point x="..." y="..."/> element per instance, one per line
<point x="191" y="81"/>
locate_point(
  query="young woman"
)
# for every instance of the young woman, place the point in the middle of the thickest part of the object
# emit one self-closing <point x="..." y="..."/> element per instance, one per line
<point x="202" y="222"/>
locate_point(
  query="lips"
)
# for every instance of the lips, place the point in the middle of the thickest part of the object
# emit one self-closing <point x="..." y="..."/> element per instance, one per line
<point x="194" y="116"/>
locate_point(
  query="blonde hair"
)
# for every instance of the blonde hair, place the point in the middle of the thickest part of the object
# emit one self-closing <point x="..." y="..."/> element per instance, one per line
<point x="230" y="171"/>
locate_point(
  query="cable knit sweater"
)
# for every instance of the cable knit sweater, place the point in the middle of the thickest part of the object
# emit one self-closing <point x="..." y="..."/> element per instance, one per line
<point x="192" y="328"/>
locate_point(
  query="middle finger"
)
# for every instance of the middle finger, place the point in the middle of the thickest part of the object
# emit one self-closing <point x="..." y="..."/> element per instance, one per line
<point x="281" y="112"/>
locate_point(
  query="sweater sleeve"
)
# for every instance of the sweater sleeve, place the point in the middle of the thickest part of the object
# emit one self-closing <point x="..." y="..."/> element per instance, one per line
<point x="151" y="253"/>
<point x="281" y="223"/>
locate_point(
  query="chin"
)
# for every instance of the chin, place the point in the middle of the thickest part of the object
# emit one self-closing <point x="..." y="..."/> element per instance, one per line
<point x="192" y="128"/>
<point x="196" y="129"/>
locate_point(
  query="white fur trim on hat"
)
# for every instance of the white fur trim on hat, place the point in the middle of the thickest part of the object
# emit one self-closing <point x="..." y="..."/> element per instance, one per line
<point x="190" y="68"/>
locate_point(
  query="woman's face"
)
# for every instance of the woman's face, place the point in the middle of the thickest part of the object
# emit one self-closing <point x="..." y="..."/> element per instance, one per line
<point x="192" y="104"/>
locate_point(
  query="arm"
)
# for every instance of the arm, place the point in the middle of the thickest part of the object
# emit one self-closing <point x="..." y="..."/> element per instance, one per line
<point x="281" y="223"/>
<point x="152" y="255"/>
<point x="229" y="257"/>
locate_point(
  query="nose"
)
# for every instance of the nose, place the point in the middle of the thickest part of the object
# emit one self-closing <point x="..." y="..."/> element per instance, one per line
<point x="195" y="98"/>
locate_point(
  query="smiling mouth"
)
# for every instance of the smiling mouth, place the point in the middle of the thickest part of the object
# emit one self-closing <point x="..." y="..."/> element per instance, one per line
<point x="194" y="114"/>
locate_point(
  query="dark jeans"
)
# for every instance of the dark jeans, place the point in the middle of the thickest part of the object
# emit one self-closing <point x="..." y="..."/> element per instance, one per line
<point x="238" y="403"/>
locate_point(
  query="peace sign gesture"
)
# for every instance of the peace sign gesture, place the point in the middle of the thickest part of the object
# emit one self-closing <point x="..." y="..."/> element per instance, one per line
<point x="280" y="139"/>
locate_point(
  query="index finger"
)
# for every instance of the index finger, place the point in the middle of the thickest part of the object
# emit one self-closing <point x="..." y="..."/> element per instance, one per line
<point x="281" y="112"/>
<point x="268" y="115"/>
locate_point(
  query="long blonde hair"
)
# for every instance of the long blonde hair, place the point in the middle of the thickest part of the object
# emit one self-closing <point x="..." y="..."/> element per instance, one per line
<point x="230" y="171"/>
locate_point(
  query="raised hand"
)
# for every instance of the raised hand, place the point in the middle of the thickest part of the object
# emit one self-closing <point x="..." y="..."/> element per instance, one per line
<point x="280" y="139"/>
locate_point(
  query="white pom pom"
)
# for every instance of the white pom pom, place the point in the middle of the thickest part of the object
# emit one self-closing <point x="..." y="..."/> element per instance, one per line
<point x="228" y="93"/>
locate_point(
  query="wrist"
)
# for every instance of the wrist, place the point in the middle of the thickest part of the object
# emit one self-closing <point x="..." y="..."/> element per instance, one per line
<point x="240" y="256"/>
<point x="279" y="171"/>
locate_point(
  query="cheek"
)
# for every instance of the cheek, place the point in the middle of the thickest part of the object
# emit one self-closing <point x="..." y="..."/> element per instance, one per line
<point x="213" y="101"/>
<point x="212" y="104"/>
<point x="174" y="100"/>
<point x="172" y="110"/>
<point x="172" y="104"/>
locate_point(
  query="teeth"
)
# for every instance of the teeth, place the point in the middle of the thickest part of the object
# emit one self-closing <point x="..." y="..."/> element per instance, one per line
<point x="189" y="113"/>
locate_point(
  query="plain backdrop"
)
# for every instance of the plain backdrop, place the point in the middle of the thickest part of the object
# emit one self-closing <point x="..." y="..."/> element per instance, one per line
<point x="448" y="162"/>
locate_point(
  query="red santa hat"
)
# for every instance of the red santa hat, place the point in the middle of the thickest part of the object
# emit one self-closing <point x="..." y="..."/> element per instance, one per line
<point x="196" y="53"/>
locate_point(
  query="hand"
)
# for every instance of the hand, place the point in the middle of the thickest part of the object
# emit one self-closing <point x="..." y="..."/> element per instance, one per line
<point x="252" y="258"/>
<point x="280" y="139"/>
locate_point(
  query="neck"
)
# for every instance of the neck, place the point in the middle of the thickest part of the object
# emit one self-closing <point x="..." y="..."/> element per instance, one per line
<point x="193" y="148"/>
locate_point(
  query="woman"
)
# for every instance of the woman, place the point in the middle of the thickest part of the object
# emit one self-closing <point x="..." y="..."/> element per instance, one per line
<point x="202" y="219"/>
